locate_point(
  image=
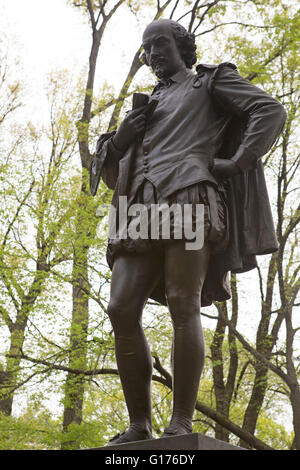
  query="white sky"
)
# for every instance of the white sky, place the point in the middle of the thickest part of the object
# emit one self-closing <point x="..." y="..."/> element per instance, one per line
<point x="47" y="35"/>
<point x="47" y="31"/>
<point x="51" y="34"/>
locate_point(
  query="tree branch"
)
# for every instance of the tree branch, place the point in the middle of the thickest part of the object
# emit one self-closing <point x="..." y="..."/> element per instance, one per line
<point x="246" y="25"/>
<point x="164" y="380"/>
<point x="91" y="13"/>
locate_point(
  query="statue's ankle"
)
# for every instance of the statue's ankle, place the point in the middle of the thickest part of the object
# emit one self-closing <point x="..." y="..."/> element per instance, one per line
<point x="145" y="427"/>
<point x="180" y="422"/>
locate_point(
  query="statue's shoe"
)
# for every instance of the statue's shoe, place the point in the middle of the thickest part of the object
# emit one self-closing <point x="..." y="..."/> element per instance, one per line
<point x="172" y="431"/>
<point x="131" y="435"/>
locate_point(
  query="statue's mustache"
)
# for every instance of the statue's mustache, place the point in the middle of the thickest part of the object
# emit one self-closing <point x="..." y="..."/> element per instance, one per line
<point x="157" y="61"/>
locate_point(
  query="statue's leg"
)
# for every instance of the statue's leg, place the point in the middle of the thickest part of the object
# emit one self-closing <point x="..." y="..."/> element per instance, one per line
<point x="185" y="273"/>
<point x="133" y="278"/>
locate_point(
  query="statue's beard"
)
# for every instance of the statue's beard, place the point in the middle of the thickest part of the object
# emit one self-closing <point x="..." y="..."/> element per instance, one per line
<point x="159" y="68"/>
<point x="159" y="72"/>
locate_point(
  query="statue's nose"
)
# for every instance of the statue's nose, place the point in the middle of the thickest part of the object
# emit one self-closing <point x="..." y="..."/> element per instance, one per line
<point x="154" y="55"/>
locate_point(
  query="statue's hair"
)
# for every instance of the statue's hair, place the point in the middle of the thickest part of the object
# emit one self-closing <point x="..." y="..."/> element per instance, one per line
<point x="185" y="42"/>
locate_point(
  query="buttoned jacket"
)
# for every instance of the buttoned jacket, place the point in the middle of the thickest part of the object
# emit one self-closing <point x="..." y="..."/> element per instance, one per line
<point x="230" y="118"/>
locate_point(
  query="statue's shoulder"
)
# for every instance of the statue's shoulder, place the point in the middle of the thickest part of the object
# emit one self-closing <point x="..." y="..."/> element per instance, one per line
<point x="209" y="68"/>
<point x="209" y="72"/>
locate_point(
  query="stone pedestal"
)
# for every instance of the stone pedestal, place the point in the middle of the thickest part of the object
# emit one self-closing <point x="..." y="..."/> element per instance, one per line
<point x="185" y="442"/>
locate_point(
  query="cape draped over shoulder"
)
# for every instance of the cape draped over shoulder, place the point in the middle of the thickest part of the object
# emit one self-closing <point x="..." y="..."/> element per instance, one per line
<point x="251" y="227"/>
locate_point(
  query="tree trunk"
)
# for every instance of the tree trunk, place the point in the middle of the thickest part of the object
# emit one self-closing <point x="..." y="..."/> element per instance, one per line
<point x="295" y="402"/>
<point x="218" y="375"/>
<point x="74" y="385"/>
<point x="224" y="388"/>
<point x="8" y="378"/>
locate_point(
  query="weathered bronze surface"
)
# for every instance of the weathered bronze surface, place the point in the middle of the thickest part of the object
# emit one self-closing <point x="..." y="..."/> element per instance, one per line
<point x="198" y="137"/>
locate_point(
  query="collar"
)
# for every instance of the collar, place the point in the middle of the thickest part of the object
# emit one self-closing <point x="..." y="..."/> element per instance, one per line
<point x="178" y="77"/>
<point x="181" y="76"/>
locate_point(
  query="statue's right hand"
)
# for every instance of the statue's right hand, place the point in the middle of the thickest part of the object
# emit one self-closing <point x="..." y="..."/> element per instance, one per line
<point x="130" y="129"/>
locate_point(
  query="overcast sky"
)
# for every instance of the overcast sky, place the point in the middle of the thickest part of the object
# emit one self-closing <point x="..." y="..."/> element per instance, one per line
<point x="47" y="35"/>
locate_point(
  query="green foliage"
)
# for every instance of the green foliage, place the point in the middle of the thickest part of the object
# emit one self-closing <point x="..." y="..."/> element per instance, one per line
<point x="274" y="433"/>
<point x="33" y="430"/>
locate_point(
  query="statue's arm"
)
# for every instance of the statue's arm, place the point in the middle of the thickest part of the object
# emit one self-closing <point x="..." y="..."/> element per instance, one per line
<point x="110" y="170"/>
<point x="264" y="115"/>
<point x="112" y="146"/>
<point x="105" y="163"/>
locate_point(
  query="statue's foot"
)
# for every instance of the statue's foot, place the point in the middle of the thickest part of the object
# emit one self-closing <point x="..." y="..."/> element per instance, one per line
<point x="134" y="433"/>
<point x="177" y="430"/>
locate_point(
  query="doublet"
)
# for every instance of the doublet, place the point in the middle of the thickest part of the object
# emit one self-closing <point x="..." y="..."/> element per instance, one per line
<point x="214" y="113"/>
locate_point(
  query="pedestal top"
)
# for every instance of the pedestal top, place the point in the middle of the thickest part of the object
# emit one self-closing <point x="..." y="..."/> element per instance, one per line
<point x="192" y="441"/>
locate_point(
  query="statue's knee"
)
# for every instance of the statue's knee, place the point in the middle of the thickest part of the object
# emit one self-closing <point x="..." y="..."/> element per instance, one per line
<point x="123" y="316"/>
<point x="116" y="312"/>
<point x="183" y="309"/>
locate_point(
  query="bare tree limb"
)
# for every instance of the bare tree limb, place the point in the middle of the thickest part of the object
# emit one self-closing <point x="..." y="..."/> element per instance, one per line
<point x="164" y="379"/>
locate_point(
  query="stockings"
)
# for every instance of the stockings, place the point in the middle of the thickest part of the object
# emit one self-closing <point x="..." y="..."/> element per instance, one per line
<point x="133" y="280"/>
<point x="134" y="362"/>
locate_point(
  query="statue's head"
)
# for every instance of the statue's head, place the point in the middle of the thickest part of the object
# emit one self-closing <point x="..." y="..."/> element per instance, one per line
<point x="168" y="47"/>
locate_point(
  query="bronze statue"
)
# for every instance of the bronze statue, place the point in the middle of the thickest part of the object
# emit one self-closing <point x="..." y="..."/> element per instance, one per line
<point x="196" y="140"/>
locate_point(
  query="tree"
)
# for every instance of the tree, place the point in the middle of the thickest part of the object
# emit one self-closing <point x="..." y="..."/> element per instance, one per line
<point x="34" y="222"/>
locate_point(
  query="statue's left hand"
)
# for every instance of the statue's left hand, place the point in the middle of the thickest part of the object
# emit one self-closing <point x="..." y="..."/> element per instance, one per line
<point x="224" y="168"/>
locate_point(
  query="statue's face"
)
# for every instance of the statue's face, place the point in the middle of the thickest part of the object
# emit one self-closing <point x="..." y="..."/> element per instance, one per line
<point x="161" y="49"/>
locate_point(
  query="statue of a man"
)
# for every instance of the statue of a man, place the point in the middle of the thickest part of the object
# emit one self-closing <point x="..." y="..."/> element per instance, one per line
<point x="201" y="145"/>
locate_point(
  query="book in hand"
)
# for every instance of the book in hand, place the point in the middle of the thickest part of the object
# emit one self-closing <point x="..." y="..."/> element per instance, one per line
<point x="141" y="99"/>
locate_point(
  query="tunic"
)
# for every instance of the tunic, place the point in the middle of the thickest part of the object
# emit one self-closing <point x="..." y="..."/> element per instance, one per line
<point x="215" y="113"/>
